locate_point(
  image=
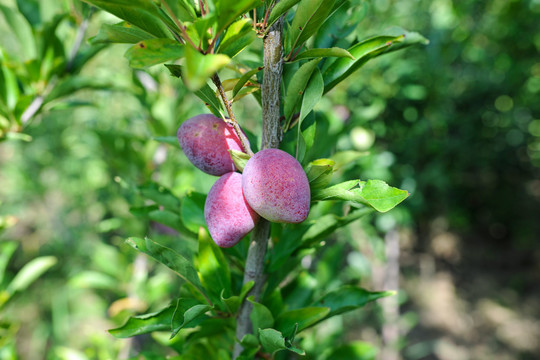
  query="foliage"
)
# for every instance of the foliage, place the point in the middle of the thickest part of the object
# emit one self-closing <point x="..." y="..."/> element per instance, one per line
<point x="211" y="37"/>
<point x="469" y="104"/>
<point x="40" y="67"/>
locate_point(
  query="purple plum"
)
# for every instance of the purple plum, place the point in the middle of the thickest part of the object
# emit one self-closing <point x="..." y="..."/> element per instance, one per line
<point x="228" y="216"/>
<point x="276" y="186"/>
<point x="205" y="140"/>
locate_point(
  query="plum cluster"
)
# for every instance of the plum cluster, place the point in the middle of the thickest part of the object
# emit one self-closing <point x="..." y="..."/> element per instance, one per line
<point x="273" y="184"/>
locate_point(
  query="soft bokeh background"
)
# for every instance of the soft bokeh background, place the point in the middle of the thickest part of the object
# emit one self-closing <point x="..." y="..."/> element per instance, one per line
<point x="457" y="123"/>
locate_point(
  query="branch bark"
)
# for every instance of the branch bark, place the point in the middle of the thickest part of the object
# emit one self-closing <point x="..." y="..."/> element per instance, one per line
<point x="271" y="137"/>
<point x="273" y="67"/>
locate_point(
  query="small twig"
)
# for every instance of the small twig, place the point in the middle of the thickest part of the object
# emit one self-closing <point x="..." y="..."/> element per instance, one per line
<point x="296" y="52"/>
<point x="201" y="6"/>
<point x="212" y="44"/>
<point x="32" y="109"/>
<point x="81" y="31"/>
<point x="232" y="118"/>
<point x="264" y="30"/>
<point x="265" y="21"/>
<point x="296" y="41"/>
<point x="176" y="36"/>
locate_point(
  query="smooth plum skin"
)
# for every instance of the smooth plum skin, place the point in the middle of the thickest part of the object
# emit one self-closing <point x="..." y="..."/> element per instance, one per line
<point x="228" y="216"/>
<point x="276" y="186"/>
<point x="205" y="140"/>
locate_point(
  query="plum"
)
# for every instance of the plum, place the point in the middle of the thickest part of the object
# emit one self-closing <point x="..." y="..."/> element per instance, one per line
<point x="276" y="186"/>
<point x="228" y="216"/>
<point x="205" y="140"/>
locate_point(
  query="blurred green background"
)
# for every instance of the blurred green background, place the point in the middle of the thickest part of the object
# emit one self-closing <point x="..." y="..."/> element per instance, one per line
<point x="457" y="123"/>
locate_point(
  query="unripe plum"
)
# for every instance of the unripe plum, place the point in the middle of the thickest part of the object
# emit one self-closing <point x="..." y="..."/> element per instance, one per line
<point x="228" y="216"/>
<point x="276" y="186"/>
<point x="205" y="140"/>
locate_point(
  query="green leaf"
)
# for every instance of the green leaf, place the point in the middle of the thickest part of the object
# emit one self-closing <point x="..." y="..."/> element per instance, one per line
<point x="68" y="85"/>
<point x="344" y="158"/>
<point x="16" y="136"/>
<point x="228" y="11"/>
<point x="154" y="51"/>
<point x="205" y="93"/>
<point x="142" y="324"/>
<point x="22" y="31"/>
<point x="365" y="51"/>
<point x="193" y="211"/>
<point x="330" y="52"/>
<point x="141" y="13"/>
<point x="260" y="316"/>
<point x="199" y="32"/>
<point x="183" y="9"/>
<point x="200" y="67"/>
<point x="279" y="9"/>
<point x="348" y="298"/>
<point x="303" y="318"/>
<point x="143" y="211"/>
<point x="309" y="16"/>
<point x="300" y="146"/>
<point x="312" y="95"/>
<point x="339" y="191"/>
<point x="319" y="173"/>
<point x="213" y="268"/>
<point x="327" y="224"/>
<point x="93" y="280"/>
<point x="244" y="79"/>
<point x="299" y="292"/>
<point x="309" y="130"/>
<point x="354" y="351"/>
<point x="168" y="257"/>
<point x="160" y="195"/>
<point x="273" y="341"/>
<point x="30" y="273"/>
<point x="317" y="230"/>
<point x="382" y="197"/>
<point x="296" y="88"/>
<point x="168" y="218"/>
<point x="9" y="88"/>
<point x="233" y="303"/>
<point x="374" y="193"/>
<point x="249" y="340"/>
<point x="239" y="35"/>
<point x="250" y="344"/>
<point x="7" y="249"/>
<point x="171" y="140"/>
<point x="122" y="32"/>
<point x="239" y="159"/>
<point x="187" y="314"/>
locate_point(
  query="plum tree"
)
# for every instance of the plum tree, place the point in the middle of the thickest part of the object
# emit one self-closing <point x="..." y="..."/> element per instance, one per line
<point x="228" y="216"/>
<point x="205" y="140"/>
<point x="305" y="49"/>
<point x="276" y="186"/>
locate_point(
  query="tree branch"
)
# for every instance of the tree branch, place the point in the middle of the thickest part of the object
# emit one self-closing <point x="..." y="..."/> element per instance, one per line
<point x="273" y="67"/>
<point x="271" y="137"/>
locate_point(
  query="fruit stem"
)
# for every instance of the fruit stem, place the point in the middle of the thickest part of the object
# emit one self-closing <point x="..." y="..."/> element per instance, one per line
<point x="271" y="137"/>
<point x="232" y="119"/>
